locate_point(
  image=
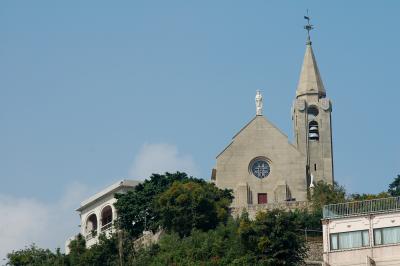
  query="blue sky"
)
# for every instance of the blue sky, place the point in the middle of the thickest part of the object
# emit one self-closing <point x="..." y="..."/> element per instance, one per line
<point x="95" y="91"/>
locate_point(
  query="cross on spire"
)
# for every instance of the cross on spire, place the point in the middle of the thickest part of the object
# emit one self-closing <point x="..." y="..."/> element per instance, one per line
<point x="310" y="80"/>
<point x="308" y="27"/>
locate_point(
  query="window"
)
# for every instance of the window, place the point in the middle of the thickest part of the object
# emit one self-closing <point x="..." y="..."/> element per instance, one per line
<point x="262" y="198"/>
<point x="260" y="167"/>
<point x="388" y="235"/>
<point x="91" y="226"/>
<point x="355" y="239"/>
<point x="313" y="133"/>
<point x="106" y="218"/>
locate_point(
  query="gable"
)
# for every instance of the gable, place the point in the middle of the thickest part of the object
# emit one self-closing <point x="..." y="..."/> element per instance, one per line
<point x="260" y="130"/>
<point x="260" y="139"/>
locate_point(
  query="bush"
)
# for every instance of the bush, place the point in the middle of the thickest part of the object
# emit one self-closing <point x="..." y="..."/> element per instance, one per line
<point x="274" y="237"/>
<point x="221" y="246"/>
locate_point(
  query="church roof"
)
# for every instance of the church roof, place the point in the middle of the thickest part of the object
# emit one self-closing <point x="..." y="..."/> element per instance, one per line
<point x="310" y="81"/>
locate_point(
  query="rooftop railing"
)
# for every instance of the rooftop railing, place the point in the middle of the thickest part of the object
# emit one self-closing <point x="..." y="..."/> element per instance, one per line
<point x="356" y="208"/>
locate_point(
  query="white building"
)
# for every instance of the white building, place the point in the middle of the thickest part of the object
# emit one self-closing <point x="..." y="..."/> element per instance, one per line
<point x="98" y="213"/>
<point x="362" y="233"/>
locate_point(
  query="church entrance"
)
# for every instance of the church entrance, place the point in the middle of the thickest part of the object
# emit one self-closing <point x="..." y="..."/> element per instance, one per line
<point x="262" y="198"/>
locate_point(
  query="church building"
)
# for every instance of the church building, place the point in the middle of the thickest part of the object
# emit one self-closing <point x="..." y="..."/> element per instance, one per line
<point x="262" y="166"/>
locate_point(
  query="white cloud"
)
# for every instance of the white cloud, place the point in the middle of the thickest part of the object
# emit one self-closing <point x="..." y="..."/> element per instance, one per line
<point x="26" y="220"/>
<point x="161" y="158"/>
<point x="22" y="219"/>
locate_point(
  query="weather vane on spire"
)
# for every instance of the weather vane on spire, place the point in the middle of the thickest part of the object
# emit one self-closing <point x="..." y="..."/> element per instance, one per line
<point x="308" y="28"/>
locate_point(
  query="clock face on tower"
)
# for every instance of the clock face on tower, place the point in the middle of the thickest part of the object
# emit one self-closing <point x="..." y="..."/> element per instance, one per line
<point x="260" y="168"/>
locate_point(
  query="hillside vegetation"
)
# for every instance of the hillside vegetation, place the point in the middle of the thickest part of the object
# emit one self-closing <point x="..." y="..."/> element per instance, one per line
<point x="199" y="230"/>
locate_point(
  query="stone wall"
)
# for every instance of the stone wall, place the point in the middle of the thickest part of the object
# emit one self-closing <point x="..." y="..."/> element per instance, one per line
<point x="315" y="252"/>
<point x="253" y="209"/>
<point x="147" y="239"/>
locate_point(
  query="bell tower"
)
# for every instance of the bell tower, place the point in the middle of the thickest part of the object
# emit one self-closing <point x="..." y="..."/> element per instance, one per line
<point x="311" y="117"/>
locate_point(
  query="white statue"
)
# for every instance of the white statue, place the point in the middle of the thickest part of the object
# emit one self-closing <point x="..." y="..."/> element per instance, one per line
<point x="312" y="181"/>
<point x="259" y="103"/>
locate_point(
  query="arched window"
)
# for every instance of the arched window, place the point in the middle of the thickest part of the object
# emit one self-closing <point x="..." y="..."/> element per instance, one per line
<point x="106" y="218"/>
<point x="313" y="133"/>
<point x="91" y="226"/>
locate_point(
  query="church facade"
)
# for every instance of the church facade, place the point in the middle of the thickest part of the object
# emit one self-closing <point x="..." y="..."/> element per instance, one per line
<point x="262" y="166"/>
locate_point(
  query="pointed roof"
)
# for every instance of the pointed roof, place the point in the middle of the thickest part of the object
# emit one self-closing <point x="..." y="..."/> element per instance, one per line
<point x="310" y="81"/>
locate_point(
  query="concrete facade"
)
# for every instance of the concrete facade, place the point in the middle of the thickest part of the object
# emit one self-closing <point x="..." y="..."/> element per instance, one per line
<point x="311" y="115"/>
<point x="97" y="213"/>
<point x="369" y="254"/>
<point x="261" y="139"/>
<point x="261" y="166"/>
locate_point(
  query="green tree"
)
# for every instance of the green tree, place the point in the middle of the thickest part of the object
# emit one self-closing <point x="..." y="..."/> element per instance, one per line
<point x="221" y="246"/>
<point x="275" y="238"/>
<point x="136" y="208"/>
<point x="394" y="187"/>
<point x="309" y="220"/>
<point x="324" y="193"/>
<point x="77" y="248"/>
<point x="192" y="205"/>
<point x="103" y="253"/>
<point x="34" y="256"/>
<point x="366" y="196"/>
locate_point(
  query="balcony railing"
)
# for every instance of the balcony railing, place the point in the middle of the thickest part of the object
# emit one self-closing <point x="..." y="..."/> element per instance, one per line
<point x="91" y="235"/>
<point x="106" y="227"/>
<point x="361" y="207"/>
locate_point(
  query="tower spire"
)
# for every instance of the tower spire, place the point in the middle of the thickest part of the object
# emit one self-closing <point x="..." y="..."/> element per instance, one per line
<point x="310" y="81"/>
<point x="312" y="119"/>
